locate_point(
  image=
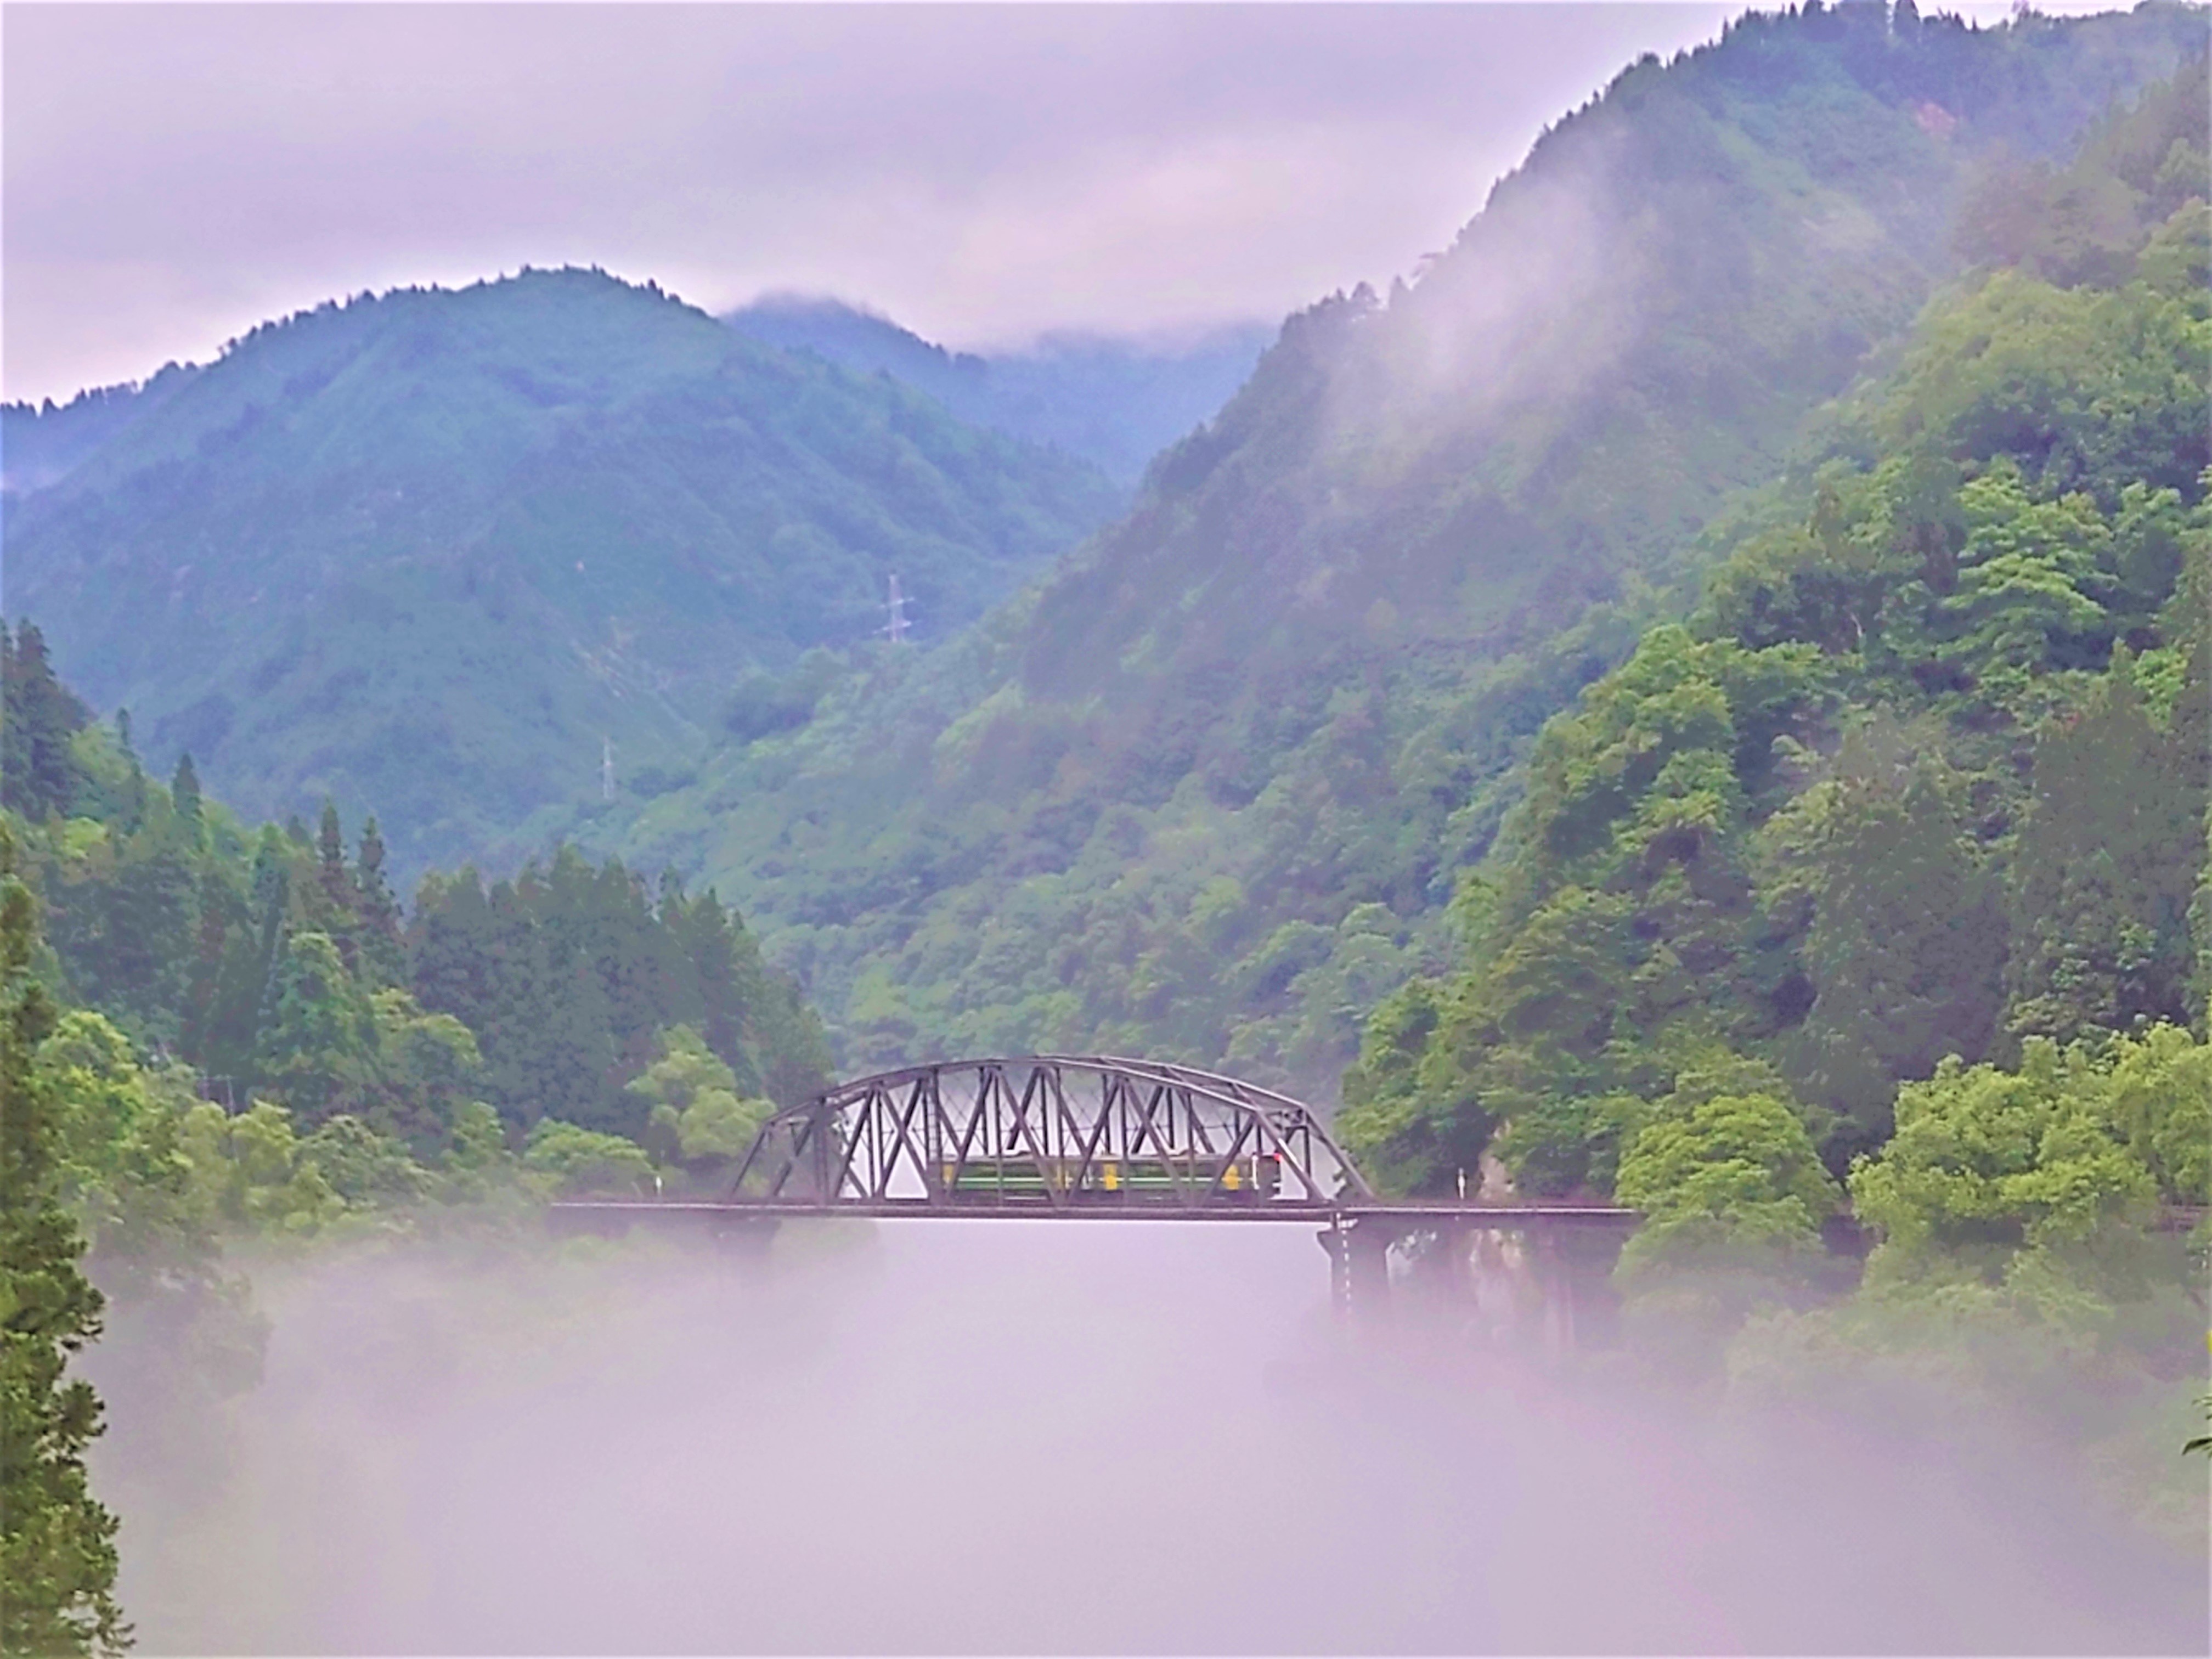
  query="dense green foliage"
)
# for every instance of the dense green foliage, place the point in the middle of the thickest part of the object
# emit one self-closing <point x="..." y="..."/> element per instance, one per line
<point x="278" y="964"/>
<point x="227" y="1038"/>
<point x="1892" y="860"/>
<point x="1925" y="774"/>
<point x="1208" y="790"/>
<point x="425" y="551"/>
<point x="2026" y="1282"/>
<point x="57" y="1557"/>
<point x="1114" y="404"/>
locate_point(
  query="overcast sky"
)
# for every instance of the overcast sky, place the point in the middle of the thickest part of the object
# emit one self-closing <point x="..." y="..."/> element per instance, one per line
<point x="175" y="174"/>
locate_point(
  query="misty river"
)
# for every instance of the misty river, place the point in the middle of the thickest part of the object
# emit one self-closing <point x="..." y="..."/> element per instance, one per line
<point x="950" y="1437"/>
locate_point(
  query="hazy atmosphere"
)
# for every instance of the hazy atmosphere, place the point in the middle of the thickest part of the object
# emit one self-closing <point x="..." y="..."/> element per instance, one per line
<point x="956" y="1439"/>
<point x="1106" y="829"/>
<point x="175" y="174"/>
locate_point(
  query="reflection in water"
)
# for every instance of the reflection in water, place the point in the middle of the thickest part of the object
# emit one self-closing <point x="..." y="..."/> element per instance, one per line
<point x="977" y="1436"/>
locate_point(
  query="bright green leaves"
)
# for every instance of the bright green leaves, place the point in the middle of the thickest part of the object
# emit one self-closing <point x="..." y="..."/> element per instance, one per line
<point x="1590" y="768"/>
<point x="697" y="1118"/>
<point x="1736" y="1179"/>
<point x="2026" y="580"/>
<point x="1409" y="1118"/>
<point x="579" y="1163"/>
<point x="1733" y="1194"/>
<point x="1654" y="764"/>
<point x="1991" y="1167"/>
<point x="2159" y="1100"/>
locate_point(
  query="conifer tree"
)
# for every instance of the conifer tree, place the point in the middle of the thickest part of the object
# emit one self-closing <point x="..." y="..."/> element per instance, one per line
<point x="2107" y="862"/>
<point x="1906" y="950"/>
<point x="38" y="717"/>
<point x="184" y="789"/>
<point x="334" y="909"/>
<point x="383" y="956"/>
<point x="318" y="1038"/>
<point x="58" y="1558"/>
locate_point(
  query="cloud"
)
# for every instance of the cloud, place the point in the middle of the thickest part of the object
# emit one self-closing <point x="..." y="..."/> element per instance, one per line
<point x="175" y="174"/>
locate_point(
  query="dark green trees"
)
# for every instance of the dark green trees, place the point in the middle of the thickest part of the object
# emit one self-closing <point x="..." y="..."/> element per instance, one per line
<point x="1926" y="775"/>
<point x="57" y="1543"/>
<point x="275" y="962"/>
<point x="39" y="775"/>
<point x="184" y="788"/>
<point x="319" y="1037"/>
<point x="1907" y="939"/>
<point x="569" y="975"/>
<point x="2109" y="855"/>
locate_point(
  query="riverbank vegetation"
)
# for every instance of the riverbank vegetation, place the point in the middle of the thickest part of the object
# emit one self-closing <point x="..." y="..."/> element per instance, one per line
<point x="1881" y="878"/>
<point x="225" y="1042"/>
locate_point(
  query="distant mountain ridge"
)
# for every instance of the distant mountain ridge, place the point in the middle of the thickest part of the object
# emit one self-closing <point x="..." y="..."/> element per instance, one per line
<point x="40" y="443"/>
<point x="1113" y="403"/>
<point x="429" y="552"/>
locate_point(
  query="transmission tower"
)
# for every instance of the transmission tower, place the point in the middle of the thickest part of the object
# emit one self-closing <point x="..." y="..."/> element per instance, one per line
<point x="606" y="768"/>
<point x="895" y="629"/>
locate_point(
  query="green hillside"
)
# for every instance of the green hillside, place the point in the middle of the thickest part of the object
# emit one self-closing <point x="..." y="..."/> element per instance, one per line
<point x="1926" y="773"/>
<point x="1206" y="791"/>
<point x="425" y="552"/>
<point x="280" y="962"/>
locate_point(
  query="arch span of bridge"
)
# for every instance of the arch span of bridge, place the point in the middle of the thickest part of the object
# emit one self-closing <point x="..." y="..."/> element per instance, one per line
<point x="1080" y="1137"/>
<point x="1051" y="1134"/>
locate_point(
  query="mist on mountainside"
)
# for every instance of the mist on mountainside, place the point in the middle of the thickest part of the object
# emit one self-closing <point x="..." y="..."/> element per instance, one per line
<point x="1691" y="712"/>
<point x="976" y="1438"/>
<point x="1211" y="786"/>
<point x="1116" y="404"/>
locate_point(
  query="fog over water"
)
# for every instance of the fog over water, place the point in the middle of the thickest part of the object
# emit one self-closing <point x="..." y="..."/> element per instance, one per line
<point x="948" y="1436"/>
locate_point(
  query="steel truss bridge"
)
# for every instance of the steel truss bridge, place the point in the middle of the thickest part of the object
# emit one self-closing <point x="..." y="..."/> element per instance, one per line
<point x="1080" y="1138"/>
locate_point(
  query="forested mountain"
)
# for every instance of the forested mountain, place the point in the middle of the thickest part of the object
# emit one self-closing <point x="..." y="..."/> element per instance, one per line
<point x="430" y="550"/>
<point x="1206" y="791"/>
<point x="1924" y="775"/>
<point x="1115" y="404"/>
<point x="211" y="1036"/>
<point x="279" y="962"/>
<point x="39" y="444"/>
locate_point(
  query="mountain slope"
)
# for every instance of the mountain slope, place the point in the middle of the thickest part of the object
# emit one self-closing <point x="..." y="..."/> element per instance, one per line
<point x="1925" y="774"/>
<point x="38" y="444"/>
<point x="1115" y="404"/>
<point x="425" y="551"/>
<point x="1206" y="791"/>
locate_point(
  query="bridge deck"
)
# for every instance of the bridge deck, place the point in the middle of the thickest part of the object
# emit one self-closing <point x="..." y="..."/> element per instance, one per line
<point x="1412" y="1213"/>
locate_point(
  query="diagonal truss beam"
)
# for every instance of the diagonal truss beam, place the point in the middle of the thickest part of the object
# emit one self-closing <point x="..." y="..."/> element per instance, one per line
<point x="1046" y="1127"/>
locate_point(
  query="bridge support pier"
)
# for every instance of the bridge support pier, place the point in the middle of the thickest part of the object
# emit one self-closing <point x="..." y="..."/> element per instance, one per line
<point x="1358" y="1268"/>
<point x="746" y="1237"/>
